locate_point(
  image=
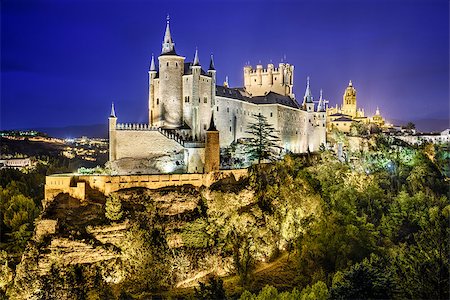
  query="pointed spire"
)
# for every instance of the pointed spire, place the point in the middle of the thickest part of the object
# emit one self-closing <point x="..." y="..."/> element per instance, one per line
<point x="168" y="46"/>
<point x="377" y="112"/>
<point x="212" y="126"/>
<point x="152" y="64"/>
<point x="321" y="105"/>
<point x="350" y="83"/>
<point x="196" y="60"/>
<point x="211" y="63"/>
<point x="308" y="95"/>
<point x="113" y="112"/>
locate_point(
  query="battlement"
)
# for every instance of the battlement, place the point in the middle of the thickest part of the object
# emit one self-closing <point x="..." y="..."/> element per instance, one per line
<point x="269" y="69"/>
<point x="260" y="81"/>
<point x="135" y="126"/>
<point x="169" y="133"/>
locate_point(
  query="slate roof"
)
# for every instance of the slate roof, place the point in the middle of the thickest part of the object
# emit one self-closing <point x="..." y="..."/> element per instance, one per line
<point x="339" y="115"/>
<point x="343" y="119"/>
<point x="169" y="53"/>
<point x="270" y="98"/>
<point x="188" y="70"/>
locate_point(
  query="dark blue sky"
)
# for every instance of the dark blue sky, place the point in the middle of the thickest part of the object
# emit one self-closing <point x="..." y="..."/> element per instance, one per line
<point x="63" y="62"/>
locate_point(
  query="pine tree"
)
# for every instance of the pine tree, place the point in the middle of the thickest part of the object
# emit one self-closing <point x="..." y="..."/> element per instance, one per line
<point x="113" y="209"/>
<point x="263" y="145"/>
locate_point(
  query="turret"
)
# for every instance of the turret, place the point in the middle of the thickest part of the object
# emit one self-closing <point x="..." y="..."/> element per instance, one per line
<point x="212" y="148"/>
<point x="321" y="105"/>
<point x="259" y="69"/>
<point x="196" y="113"/>
<point x="112" y="134"/>
<point x="168" y="46"/>
<point x="212" y="73"/>
<point x="151" y="91"/>
<point x="308" y="103"/>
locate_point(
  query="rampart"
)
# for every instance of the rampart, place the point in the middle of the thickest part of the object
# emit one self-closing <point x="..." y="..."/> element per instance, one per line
<point x="75" y="185"/>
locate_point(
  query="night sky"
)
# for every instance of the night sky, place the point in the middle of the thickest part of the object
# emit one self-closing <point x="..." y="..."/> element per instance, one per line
<point x="63" y="62"/>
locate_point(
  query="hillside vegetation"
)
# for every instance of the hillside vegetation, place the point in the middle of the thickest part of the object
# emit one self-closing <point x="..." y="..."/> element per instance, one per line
<point x="306" y="227"/>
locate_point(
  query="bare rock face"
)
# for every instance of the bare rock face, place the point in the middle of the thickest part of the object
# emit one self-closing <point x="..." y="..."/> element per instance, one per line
<point x="44" y="228"/>
<point x="66" y="252"/>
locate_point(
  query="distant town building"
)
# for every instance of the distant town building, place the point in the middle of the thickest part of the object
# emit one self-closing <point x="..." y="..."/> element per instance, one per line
<point x="15" y="163"/>
<point x="342" y="117"/>
<point x="186" y="105"/>
<point x="419" y="138"/>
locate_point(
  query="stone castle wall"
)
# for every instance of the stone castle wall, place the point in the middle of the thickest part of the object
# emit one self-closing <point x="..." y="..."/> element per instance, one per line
<point x="144" y="143"/>
<point x="297" y="129"/>
<point x="61" y="183"/>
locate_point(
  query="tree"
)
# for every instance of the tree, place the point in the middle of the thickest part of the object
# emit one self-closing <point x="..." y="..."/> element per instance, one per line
<point x="213" y="290"/>
<point x="366" y="280"/>
<point x="113" y="209"/>
<point x="359" y="129"/>
<point x="410" y="126"/>
<point x="263" y="145"/>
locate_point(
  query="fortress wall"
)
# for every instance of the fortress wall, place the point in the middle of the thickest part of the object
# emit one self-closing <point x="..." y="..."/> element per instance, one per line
<point x="56" y="184"/>
<point x="144" y="143"/>
<point x="195" y="159"/>
<point x="297" y="129"/>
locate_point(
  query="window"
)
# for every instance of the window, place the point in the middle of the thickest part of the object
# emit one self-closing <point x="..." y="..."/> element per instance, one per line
<point x="157" y="101"/>
<point x="275" y="78"/>
<point x="205" y="99"/>
<point x="167" y="63"/>
<point x="198" y="99"/>
<point x="204" y="126"/>
<point x="271" y="114"/>
<point x="217" y="108"/>
<point x="228" y="109"/>
<point x="230" y="128"/>
<point x="255" y="79"/>
<point x="176" y="64"/>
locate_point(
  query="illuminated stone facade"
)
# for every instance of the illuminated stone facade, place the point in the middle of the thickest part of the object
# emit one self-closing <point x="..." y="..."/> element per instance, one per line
<point x="342" y="117"/>
<point x="185" y="102"/>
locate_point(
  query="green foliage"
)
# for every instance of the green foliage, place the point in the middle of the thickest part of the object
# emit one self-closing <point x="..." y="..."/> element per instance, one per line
<point x="113" y="208"/>
<point x="263" y="145"/>
<point x="359" y="129"/>
<point x="267" y="293"/>
<point x="213" y="290"/>
<point x="318" y="291"/>
<point x="6" y="274"/>
<point x="366" y="280"/>
<point x="195" y="235"/>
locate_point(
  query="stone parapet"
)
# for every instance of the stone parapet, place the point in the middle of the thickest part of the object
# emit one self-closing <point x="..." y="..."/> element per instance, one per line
<point x="75" y="185"/>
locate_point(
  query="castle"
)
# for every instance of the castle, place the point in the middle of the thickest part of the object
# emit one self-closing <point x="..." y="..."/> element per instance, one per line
<point x="191" y="117"/>
<point x="342" y="117"/>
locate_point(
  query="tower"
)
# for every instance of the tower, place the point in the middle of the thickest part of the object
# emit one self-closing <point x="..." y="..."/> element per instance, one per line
<point x="152" y="112"/>
<point x="112" y="134"/>
<point x="212" y="73"/>
<point x="171" y="69"/>
<point x="308" y="103"/>
<point x="196" y="71"/>
<point x="212" y="148"/>
<point x="321" y="104"/>
<point x="349" y="101"/>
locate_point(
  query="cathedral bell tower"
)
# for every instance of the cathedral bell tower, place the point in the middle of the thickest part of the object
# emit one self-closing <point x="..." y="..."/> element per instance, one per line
<point x="349" y="101"/>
